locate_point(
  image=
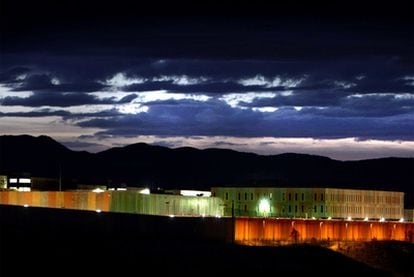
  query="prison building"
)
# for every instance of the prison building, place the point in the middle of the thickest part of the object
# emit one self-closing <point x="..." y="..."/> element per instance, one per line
<point x="311" y="203"/>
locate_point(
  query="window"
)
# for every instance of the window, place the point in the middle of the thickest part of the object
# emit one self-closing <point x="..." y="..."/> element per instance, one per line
<point x="321" y="208"/>
<point x="314" y="209"/>
<point x="303" y="196"/>
<point x="296" y="197"/>
<point x="321" y="196"/>
<point x="251" y="196"/>
<point x="245" y="196"/>
<point x="227" y="196"/>
<point x="296" y="208"/>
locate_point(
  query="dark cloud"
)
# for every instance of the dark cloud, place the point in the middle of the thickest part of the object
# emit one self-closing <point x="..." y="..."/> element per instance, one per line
<point x="354" y="60"/>
<point x="10" y="75"/>
<point x="212" y="118"/>
<point x="77" y="144"/>
<point x="58" y="99"/>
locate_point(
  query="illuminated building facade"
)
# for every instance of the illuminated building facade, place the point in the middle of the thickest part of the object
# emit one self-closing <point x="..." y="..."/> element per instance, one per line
<point x="3" y="182"/>
<point x="311" y="203"/>
<point x="130" y="201"/>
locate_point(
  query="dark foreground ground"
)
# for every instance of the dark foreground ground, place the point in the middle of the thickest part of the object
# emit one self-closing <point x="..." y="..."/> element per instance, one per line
<point x="47" y="242"/>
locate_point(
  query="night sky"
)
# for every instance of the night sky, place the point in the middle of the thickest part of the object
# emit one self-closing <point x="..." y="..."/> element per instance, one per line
<point x="333" y="79"/>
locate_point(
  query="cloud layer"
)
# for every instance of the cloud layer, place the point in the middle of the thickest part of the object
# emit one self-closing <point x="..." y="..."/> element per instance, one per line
<point x="236" y="79"/>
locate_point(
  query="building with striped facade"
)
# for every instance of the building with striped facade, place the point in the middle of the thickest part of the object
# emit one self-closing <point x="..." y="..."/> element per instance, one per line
<point x="311" y="203"/>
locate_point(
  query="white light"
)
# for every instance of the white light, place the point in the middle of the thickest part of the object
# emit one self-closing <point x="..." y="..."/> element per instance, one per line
<point x="145" y="191"/>
<point x="13" y="180"/>
<point x="218" y="216"/>
<point x="382" y="219"/>
<point x="171" y="215"/>
<point x="264" y="206"/>
<point x="25" y="205"/>
<point x="349" y="218"/>
<point x="313" y="217"/>
<point x="23" y="189"/>
<point x="111" y="189"/>
<point x="366" y="219"/>
<point x="98" y="211"/>
<point x="329" y="218"/>
<point x="121" y="189"/>
<point x="98" y="190"/>
<point x="401" y="220"/>
<point x="203" y="215"/>
<point x="195" y="193"/>
<point x="24" y="181"/>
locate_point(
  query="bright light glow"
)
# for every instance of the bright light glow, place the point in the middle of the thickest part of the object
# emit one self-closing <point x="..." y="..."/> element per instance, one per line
<point x="172" y="216"/>
<point x="121" y="189"/>
<point x="98" y="211"/>
<point x="98" y="190"/>
<point x="111" y="189"/>
<point x="24" y="181"/>
<point x="13" y="180"/>
<point x="382" y="219"/>
<point x="145" y="191"/>
<point x="25" y="205"/>
<point x="264" y="206"/>
<point x="313" y="217"/>
<point x="203" y="215"/>
<point x="329" y="218"/>
<point x="55" y="81"/>
<point x="366" y="219"/>
<point x="218" y="216"/>
<point x="195" y="193"/>
<point x="401" y="220"/>
<point x="349" y="218"/>
<point x="23" y="189"/>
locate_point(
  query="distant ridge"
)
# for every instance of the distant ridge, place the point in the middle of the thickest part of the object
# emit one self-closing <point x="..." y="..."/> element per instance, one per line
<point x="153" y="166"/>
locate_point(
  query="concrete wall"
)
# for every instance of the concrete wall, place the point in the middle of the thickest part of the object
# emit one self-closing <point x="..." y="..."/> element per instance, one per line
<point x="301" y="230"/>
<point x="117" y="201"/>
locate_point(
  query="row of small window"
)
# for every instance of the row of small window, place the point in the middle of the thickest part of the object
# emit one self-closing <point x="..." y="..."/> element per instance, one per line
<point x="315" y="196"/>
<point x="315" y="210"/>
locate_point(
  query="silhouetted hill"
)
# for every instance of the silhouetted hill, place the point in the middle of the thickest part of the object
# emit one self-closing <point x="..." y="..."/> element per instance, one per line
<point x="155" y="166"/>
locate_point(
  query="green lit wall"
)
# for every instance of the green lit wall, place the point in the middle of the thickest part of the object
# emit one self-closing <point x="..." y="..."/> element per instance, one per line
<point x="312" y="202"/>
<point x="165" y="204"/>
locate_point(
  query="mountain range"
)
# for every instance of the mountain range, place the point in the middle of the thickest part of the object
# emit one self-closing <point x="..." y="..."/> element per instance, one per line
<point x="144" y="165"/>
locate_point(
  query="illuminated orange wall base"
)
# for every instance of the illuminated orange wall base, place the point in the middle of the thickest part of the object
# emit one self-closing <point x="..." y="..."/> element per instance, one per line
<point x="301" y="230"/>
